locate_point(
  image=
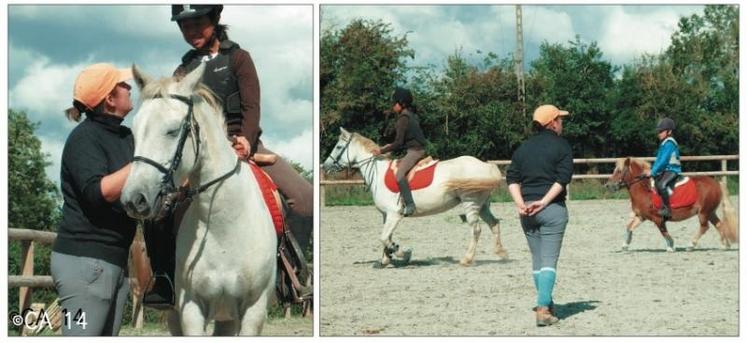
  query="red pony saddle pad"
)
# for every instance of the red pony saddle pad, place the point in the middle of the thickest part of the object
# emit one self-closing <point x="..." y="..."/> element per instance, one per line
<point x="270" y="194"/>
<point x="420" y="176"/>
<point x="685" y="194"/>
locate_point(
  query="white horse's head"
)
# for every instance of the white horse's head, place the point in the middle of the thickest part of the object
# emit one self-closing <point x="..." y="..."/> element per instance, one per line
<point x="340" y="157"/>
<point x="166" y="140"/>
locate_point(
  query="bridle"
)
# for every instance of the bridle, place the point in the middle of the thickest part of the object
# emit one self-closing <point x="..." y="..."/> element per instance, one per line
<point x="359" y="165"/>
<point x="188" y="127"/>
<point x="636" y="179"/>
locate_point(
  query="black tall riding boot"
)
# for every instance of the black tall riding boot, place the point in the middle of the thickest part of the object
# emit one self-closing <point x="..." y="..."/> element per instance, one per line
<point x="161" y="245"/>
<point x="404" y="189"/>
<point x="665" y="212"/>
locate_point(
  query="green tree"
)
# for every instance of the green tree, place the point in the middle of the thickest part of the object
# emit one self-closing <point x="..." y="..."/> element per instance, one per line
<point x="577" y="79"/>
<point x="33" y="200"/>
<point x="360" y="65"/>
<point x="472" y="109"/>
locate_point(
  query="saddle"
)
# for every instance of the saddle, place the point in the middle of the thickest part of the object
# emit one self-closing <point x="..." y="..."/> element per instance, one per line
<point x="683" y="194"/>
<point x="293" y="284"/>
<point x="420" y="176"/>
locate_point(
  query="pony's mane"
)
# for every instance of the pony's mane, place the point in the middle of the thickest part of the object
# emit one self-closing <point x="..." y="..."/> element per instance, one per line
<point x="160" y="88"/>
<point x="368" y="144"/>
<point x="645" y="166"/>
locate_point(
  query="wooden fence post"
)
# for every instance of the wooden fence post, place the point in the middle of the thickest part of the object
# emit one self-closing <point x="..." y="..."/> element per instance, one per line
<point x="27" y="269"/>
<point x="723" y="169"/>
<point x="322" y="191"/>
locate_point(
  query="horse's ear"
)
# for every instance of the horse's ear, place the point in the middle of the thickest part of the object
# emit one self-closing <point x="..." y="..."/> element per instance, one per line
<point x="191" y="80"/>
<point x="344" y="132"/>
<point x="627" y="162"/>
<point x="141" y="79"/>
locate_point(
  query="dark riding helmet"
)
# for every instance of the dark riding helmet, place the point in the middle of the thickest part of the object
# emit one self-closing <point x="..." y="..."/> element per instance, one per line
<point x="665" y="124"/>
<point x="403" y="96"/>
<point x="181" y="12"/>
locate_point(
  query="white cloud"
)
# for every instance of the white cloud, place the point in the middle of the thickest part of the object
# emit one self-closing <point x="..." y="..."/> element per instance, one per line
<point x="45" y="89"/>
<point x="544" y="24"/>
<point x="279" y="39"/>
<point x="626" y="36"/>
<point x="298" y="149"/>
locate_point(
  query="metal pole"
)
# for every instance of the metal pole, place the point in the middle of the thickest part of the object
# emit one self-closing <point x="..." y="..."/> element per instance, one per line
<point x="519" y="62"/>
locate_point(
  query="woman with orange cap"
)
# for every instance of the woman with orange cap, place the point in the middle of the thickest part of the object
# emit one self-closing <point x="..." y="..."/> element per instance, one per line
<point x="540" y="170"/>
<point x="89" y="255"/>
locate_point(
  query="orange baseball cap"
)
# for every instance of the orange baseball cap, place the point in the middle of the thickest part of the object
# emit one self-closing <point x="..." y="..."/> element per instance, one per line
<point x="96" y="82"/>
<point x="547" y="113"/>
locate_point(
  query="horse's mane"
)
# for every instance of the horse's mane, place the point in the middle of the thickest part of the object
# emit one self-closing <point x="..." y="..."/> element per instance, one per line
<point x="161" y="86"/>
<point x="367" y="143"/>
<point x="645" y="166"/>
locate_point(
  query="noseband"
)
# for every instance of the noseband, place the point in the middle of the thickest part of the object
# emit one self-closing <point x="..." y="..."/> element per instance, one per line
<point x="167" y="187"/>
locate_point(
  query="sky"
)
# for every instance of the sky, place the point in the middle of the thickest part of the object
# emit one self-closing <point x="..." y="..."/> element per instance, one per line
<point x="622" y="32"/>
<point x="48" y="45"/>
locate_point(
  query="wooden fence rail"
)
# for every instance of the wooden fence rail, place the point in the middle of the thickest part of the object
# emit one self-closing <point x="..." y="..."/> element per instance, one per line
<point x="724" y="172"/>
<point x="27" y="281"/>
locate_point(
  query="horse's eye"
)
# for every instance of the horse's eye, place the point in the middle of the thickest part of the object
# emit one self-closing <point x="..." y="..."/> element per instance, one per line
<point x="173" y="133"/>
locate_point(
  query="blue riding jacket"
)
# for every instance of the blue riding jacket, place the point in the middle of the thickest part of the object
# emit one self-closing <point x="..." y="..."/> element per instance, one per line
<point x="667" y="158"/>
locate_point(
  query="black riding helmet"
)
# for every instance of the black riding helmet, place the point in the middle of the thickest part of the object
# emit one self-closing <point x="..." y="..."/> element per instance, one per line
<point x="665" y="124"/>
<point x="181" y="12"/>
<point x="403" y="96"/>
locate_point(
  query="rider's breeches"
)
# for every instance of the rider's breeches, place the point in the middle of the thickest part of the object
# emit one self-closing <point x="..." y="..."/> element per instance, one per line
<point x="544" y="232"/>
<point x="93" y="291"/>
<point x="408" y="161"/>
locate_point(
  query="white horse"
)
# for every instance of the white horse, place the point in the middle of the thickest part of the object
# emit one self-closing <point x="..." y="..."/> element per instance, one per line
<point x="226" y="243"/>
<point x="464" y="180"/>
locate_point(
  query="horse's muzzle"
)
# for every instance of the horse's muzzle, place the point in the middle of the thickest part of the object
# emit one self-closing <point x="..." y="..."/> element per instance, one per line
<point x="137" y="207"/>
<point x="612" y="186"/>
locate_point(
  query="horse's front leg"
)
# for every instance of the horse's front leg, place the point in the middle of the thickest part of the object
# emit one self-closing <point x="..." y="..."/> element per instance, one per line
<point x="633" y="223"/>
<point x="192" y="317"/>
<point x="390" y="223"/>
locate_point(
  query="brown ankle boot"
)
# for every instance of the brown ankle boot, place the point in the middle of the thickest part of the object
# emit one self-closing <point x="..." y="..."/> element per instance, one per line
<point x="545" y="317"/>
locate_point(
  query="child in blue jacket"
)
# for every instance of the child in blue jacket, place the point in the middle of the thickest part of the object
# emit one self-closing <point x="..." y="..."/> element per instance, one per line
<point x="667" y="165"/>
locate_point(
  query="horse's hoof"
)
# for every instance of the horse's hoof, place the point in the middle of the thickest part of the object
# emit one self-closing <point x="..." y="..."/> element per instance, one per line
<point x="690" y="248"/>
<point x="502" y="253"/>
<point x="624" y="247"/>
<point x="465" y="262"/>
<point x="404" y="255"/>
<point x="670" y="249"/>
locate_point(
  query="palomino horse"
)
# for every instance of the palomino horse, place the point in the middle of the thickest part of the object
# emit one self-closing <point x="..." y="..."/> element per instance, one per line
<point x="464" y="180"/>
<point x="630" y="173"/>
<point x="225" y="269"/>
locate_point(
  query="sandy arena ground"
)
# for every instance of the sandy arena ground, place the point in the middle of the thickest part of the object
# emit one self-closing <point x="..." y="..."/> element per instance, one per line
<point x="600" y="289"/>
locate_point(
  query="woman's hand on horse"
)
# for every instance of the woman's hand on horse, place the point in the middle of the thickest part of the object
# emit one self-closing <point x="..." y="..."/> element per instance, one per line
<point x="376" y="151"/>
<point x="242" y="146"/>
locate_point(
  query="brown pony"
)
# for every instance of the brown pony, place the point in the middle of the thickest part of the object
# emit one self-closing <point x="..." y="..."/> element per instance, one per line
<point x="630" y="173"/>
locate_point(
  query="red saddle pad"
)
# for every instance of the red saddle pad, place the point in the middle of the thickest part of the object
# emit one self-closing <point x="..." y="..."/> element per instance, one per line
<point x="423" y="178"/>
<point x="683" y="196"/>
<point x="268" y="188"/>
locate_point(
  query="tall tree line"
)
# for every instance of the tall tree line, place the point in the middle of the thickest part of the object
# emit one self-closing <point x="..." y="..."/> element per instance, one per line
<point x="472" y="109"/>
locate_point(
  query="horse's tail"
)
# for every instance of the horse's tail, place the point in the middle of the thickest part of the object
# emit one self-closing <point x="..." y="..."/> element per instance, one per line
<point x="730" y="225"/>
<point x="488" y="183"/>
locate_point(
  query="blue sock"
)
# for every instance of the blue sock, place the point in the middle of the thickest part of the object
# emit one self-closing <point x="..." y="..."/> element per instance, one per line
<point x="545" y="284"/>
<point x="536" y="276"/>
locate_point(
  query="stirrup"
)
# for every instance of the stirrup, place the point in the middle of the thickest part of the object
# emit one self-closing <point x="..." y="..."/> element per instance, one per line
<point x="156" y="298"/>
